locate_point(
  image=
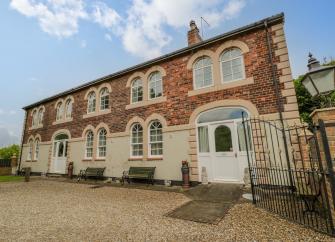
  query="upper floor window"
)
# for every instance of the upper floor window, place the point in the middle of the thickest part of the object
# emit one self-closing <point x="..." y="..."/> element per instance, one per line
<point x="232" y="65"/>
<point x="155" y="85"/>
<point x="30" y="151"/>
<point x="156" y="139"/>
<point x="104" y="98"/>
<point x="34" y="119"/>
<point x="59" y="111"/>
<point x="136" y="91"/>
<point x="91" y="102"/>
<point x="89" y="144"/>
<point x="68" y="109"/>
<point x="102" y="141"/>
<point x="137" y="140"/>
<point x="37" y="149"/>
<point x="40" y="116"/>
<point x="202" y="72"/>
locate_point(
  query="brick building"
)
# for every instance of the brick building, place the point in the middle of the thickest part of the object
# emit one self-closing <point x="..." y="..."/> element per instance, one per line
<point x="186" y="105"/>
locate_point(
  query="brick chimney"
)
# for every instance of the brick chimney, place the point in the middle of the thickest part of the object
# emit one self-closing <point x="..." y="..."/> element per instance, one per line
<point x="193" y="36"/>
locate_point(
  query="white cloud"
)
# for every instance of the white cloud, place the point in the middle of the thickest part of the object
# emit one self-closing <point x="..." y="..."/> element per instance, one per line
<point x="105" y="16"/>
<point x="55" y="17"/>
<point x="144" y="33"/>
<point x="142" y="28"/>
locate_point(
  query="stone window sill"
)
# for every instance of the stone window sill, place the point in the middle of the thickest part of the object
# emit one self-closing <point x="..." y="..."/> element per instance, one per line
<point x="87" y="160"/>
<point x="154" y="158"/>
<point x="135" y="159"/>
<point x="36" y="127"/>
<point x="146" y="102"/>
<point x="249" y="80"/>
<point x="62" y="121"/>
<point x="100" y="159"/>
<point x="90" y="115"/>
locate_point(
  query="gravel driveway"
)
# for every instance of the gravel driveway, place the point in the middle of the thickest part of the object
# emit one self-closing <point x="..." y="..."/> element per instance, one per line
<point x="57" y="211"/>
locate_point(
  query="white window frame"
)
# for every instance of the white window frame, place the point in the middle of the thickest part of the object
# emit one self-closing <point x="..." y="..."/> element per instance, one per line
<point x="40" y="117"/>
<point x="68" y="114"/>
<point x="137" y="87"/>
<point x="231" y="60"/>
<point x="34" y="119"/>
<point x="99" y="146"/>
<point x="89" y="147"/>
<point x="59" y="111"/>
<point x="92" y="102"/>
<point x="102" y="97"/>
<point x="36" y="149"/>
<point x="133" y="144"/>
<point x="151" y="80"/>
<point x="203" y="67"/>
<point x="30" y="150"/>
<point x="156" y="142"/>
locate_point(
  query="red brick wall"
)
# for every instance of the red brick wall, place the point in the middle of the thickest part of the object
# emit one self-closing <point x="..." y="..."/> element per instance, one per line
<point x="178" y="81"/>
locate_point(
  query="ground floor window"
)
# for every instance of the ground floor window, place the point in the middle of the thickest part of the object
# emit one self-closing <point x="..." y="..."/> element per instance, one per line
<point x="137" y="140"/>
<point x="89" y="144"/>
<point x="102" y="143"/>
<point x="156" y="139"/>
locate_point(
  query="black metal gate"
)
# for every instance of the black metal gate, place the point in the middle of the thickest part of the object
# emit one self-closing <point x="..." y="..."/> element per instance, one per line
<point x="288" y="176"/>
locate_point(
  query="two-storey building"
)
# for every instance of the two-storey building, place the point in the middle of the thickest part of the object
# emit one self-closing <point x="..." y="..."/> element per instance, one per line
<point x="185" y="105"/>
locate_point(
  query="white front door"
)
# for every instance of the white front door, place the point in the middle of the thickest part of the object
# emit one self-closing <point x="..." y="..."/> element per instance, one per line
<point x="59" y="156"/>
<point x="224" y="152"/>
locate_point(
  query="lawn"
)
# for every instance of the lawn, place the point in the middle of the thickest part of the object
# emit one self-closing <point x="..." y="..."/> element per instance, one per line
<point x="10" y="178"/>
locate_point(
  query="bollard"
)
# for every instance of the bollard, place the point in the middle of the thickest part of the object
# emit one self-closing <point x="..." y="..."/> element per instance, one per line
<point x="70" y="170"/>
<point x="185" y="170"/>
<point x="27" y="174"/>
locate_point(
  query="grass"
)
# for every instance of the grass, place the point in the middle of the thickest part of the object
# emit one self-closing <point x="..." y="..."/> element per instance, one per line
<point x="10" y="178"/>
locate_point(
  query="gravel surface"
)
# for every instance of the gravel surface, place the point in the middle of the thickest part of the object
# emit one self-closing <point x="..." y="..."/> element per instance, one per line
<point x="58" y="211"/>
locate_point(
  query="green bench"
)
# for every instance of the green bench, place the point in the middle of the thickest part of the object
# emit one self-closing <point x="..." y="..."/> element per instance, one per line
<point x="146" y="173"/>
<point x="91" y="172"/>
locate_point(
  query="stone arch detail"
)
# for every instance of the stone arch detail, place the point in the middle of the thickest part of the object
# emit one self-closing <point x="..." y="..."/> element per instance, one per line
<point x="61" y="131"/>
<point x="229" y="44"/>
<point x="133" y="120"/>
<point x="224" y="103"/>
<point x="92" y="89"/>
<point x="102" y="125"/>
<point x="155" y="116"/>
<point x="87" y="128"/>
<point x="135" y="75"/>
<point x="153" y="69"/>
<point x="199" y="54"/>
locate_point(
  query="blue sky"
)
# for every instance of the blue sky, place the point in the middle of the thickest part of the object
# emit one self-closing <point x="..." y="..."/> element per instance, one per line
<point x="48" y="46"/>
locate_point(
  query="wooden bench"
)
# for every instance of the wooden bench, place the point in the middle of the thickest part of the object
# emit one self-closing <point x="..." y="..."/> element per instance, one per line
<point x="146" y="173"/>
<point x="309" y="189"/>
<point x="91" y="172"/>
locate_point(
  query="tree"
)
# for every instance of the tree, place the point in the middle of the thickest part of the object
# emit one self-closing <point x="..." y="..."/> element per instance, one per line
<point x="9" y="151"/>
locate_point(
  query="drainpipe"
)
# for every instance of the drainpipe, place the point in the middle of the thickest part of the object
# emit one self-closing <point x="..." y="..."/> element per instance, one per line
<point x="22" y="140"/>
<point x="278" y="98"/>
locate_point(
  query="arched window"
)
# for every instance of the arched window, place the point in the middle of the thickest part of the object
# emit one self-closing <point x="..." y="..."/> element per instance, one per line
<point x="156" y="139"/>
<point x="68" y="109"/>
<point x="59" y="111"/>
<point x="89" y="144"/>
<point x="37" y="149"/>
<point x="232" y="65"/>
<point x="40" y="116"/>
<point x="202" y="72"/>
<point x="104" y="99"/>
<point x="91" y="102"/>
<point x="223" y="139"/>
<point x="30" y="151"/>
<point x="137" y="140"/>
<point x="136" y="91"/>
<point x="155" y="85"/>
<point x="102" y="142"/>
<point x="34" y="119"/>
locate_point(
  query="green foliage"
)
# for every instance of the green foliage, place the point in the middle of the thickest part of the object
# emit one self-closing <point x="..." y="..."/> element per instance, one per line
<point x="9" y="151"/>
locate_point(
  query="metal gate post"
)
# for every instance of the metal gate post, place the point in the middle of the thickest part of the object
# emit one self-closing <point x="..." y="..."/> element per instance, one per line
<point x="249" y="163"/>
<point x="328" y="157"/>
